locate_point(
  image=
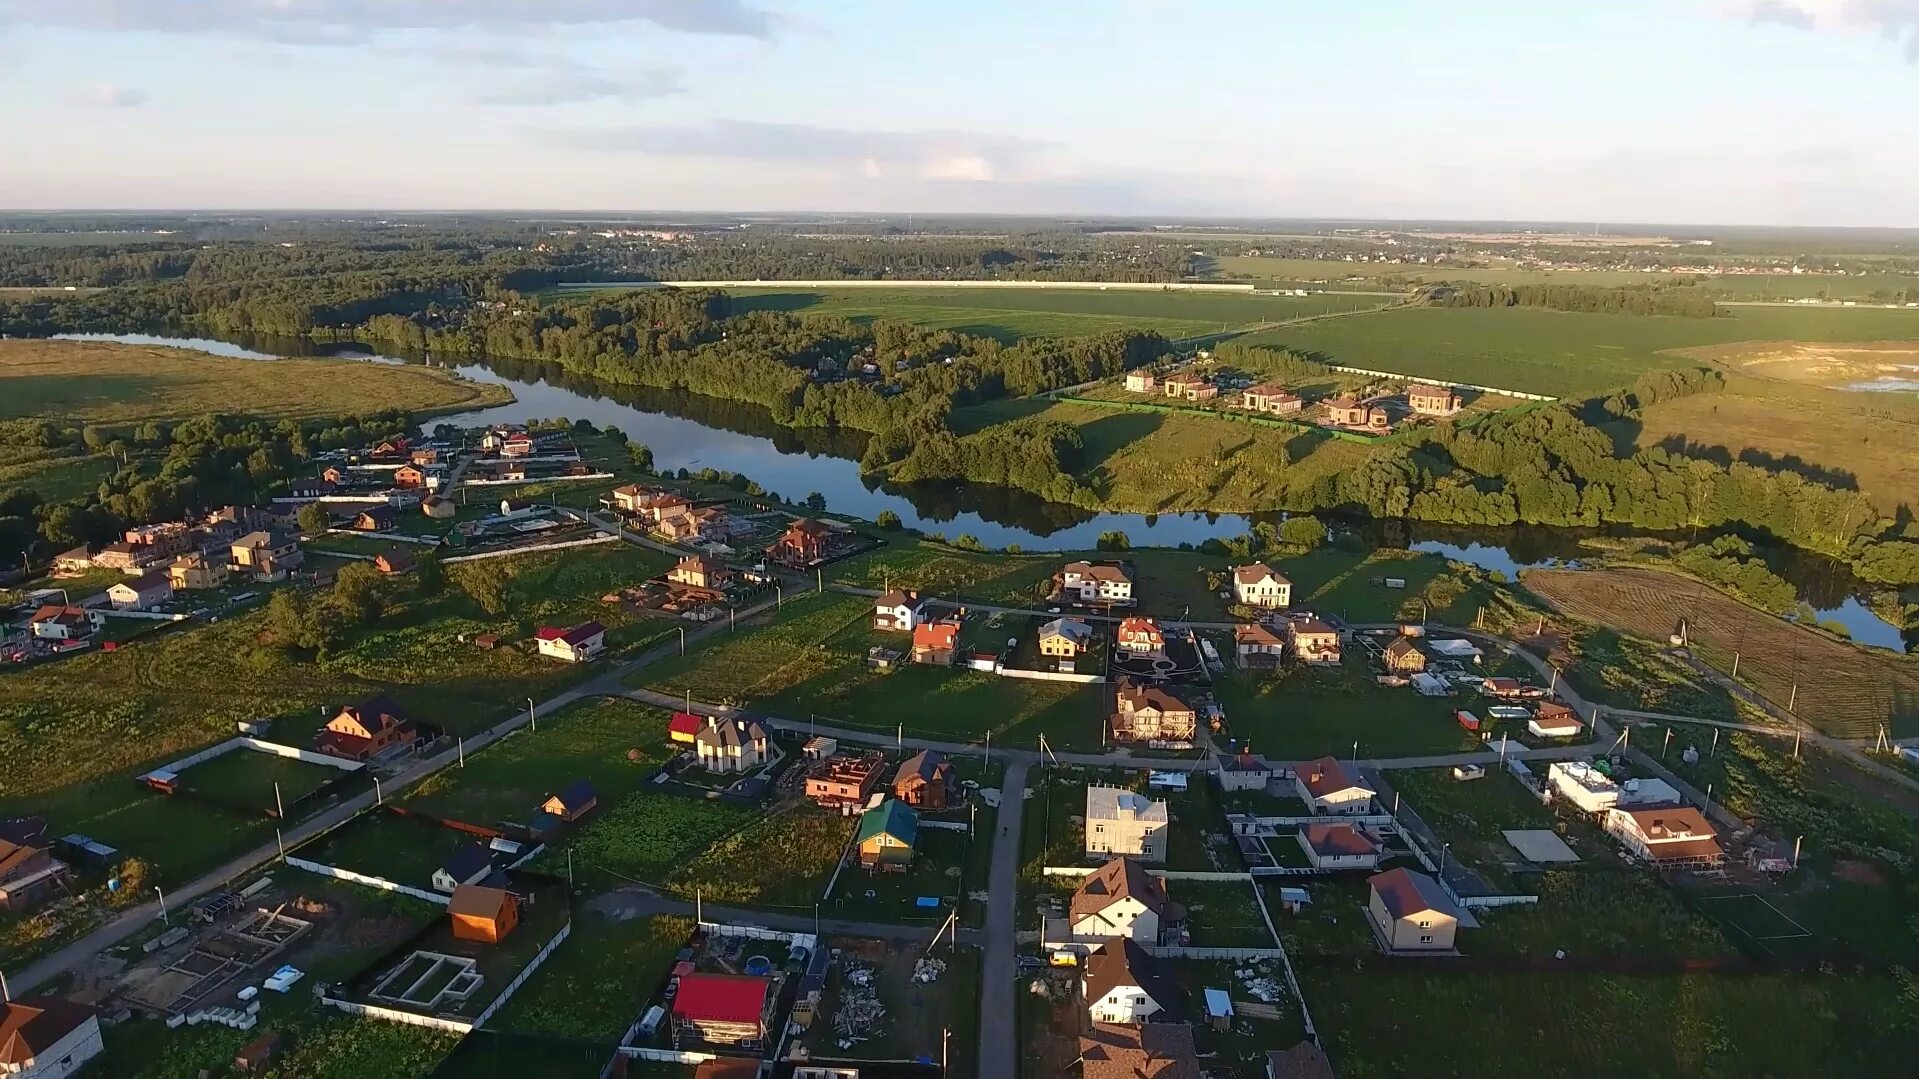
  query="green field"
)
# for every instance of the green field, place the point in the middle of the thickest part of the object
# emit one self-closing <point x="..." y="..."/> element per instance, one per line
<point x="1260" y="268"/>
<point x="1561" y="353"/>
<point x="805" y="841"/>
<point x="1310" y="712"/>
<point x="54" y="475"/>
<point x="245" y="777"/>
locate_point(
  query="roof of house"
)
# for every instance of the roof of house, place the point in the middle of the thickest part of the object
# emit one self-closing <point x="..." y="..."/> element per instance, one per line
<point x="1121" y="878"/>
<point x="1671" y="823"/>
<point x="1402" y="646"/>
<point x="66" y="616"/>
<point x="396" y="559"/>
<point x="728" y="1068"/>
<point x="1302" y="1061"/>
<point x="722" y="998"/>
<point x="898" y="598"/>
<point x="630" y="490"/>
<point x="1501" y="685"/>
<point x="1342" y="401"/>
<point x="729" y="732"/>
<point x="1147" y="696"/>
<point x="376" y="713"/>
<point x="1337" y="840"/>
<point x="685" y="723"/>
<point x="20" y="838"/>
<point x="1325" y="776"/>
<point x="1407" y="893"/>
<point x="927" y="765"/>
<point x="468" y="860"/>
<point x="891" y="817"/>
<point x="477" y="901"/>
<point x="1258" y="572"/>
<point x="1271" y="389"/>
<point x="1185" y="378"/>
<point x="1427" y="389"/>
<point x="1255" y="633"/>
<point x="1139" y="625"/>
<point x="1243" y="761"/>
<point x="1549" y="710"/>
<point x="30" y="1026"/>
<point x="1313" y="627"/>
<point x="147" y="582"/>
<point x="699" y="562"/>
<point x="1099" y="571"/>
<point x="577" y="793"/>
<point x="1148" y="1051"/>
<point x="1070" y="628"/>
<point x="808" y="526"/>
<point x="1122" y="963"/>
<point x="380" y="513"/>
<point x="575" y="635"/>
<point x="936" y="635"/>
<point x="1561" y="719"/>
<point x="1106" y="803"/>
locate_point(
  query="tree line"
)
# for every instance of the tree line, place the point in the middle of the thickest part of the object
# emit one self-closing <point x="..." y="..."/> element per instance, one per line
<point x="1682" y="301"/>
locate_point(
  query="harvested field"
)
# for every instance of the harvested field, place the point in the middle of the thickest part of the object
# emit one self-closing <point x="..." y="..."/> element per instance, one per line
<point x="1820" y="363"/>
<point x="1843" y="689"/>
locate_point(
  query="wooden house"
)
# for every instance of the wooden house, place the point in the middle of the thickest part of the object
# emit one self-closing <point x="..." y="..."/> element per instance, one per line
<point x="483" y="914"/>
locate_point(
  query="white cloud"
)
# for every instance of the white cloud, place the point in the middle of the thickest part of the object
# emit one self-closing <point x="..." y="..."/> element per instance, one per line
<point x="332" y="22"/>
<point x="110" y="96"/>
<point x="1895" y="20"/>
<point x="926" y="155"/>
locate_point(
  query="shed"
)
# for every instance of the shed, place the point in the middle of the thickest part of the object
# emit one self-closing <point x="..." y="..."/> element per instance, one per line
<point x="483" y="914"/>
<point x="1219" y="1008"/>
<point x="576" y="801"/>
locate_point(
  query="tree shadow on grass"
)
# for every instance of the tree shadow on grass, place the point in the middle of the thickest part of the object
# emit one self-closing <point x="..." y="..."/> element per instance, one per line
<point x="1109" y="434"/>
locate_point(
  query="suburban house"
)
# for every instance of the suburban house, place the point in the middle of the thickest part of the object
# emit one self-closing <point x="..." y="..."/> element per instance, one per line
<point x="1348" y="412"/>
<point x="802" y="544"/>
<point x="1258" y="645"/>
<point x="1109" y="583"/>
<point x="1258" y="585"/>
<point x="1504" y="689"/>
<point x="730" y="745"/>
<point x="1594" y="791"/>
<point x="366" y="730"/>
<point x="1554" y="720"/>
<point x="629" y="498"/>
<point x="1125" y="822"/>
<point x="268" y="556"/>
<point x="1403" y="657"/>
<point x="1189" y="388"/>
<point x="336" y="476"/>
<point x="707" y="522"/>
<point x="29" y="873"/>
<point x="1147" y="1051"/>
<point x="886" y="835"/>
<point x="1429" y="400"/>
<point x="1270" y="398"/>
<point x="409" y="476"/>
<point x="1314" y="642"/>
<point x="844" y="783"/>
<point x="685" y="727"/>
<point x="699" y="571"/>
<point x="393" y="560"/>
<point x="515" y="508"/>
<point x="659" y="507"/>
<point x="518" y="444"/>
<point x="1670" y="837"/>
<point x="497" y="435"/>
<point x="1410" y="912"/>
<point x="389" y="448"/>
<point x="77" y="560"/>
<point x="1326" y="787"/>
<point x="925" y="780"/>
<point x="140" y="592"/>
<point x="1123" y="983"/>
<point x="578" y="644"/>
<point x="1064" y="638"/>
<point x="376" y="519"/>
<point x="424" y="455"/>
<point x="897" y="610"/>
<point x="64" y="623"/>
<point x="1146" y="713"/>
<point x="1140" y="636"/>
<point x="936" y="642"/>
<point x="723" y="1009"/>
<point x="47" y="1037"/>
<point x="1121" y="899"/>
<point x="1244" y="771"/>
<point x="1141" y="381"/>
<point x="576" y="801"/>
<point x="483" y="914"/>
<point x="467" y="865"/>
<point x="194" y="570"/>
<point x="125" y="557"/>
<point x="1338" y="845"/>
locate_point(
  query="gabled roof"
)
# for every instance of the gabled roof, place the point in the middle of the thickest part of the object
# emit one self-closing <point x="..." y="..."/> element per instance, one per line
<point x="1325" y="776"/>
<point x="1121" y="878"/>
<point x="1255" y="633"/>
<point x="1148" y="696"/>
<point x="376" y="713"/>
<point x="1342" y="401"/>
<point x="898" y="598"/>
<point x="66" y="616"/>
<point x="1099" y="571"/>
<point x="30" y="1026"/>
<point x="1406" y="893"/>
<point x="1426" y="389"/>
<point x="1257" y="573"/>
<point x="1072" y="629"/>
<point x="926" y="765"/>
<point x="1148" y="1051"/>
<point x="1243" y="761"/>
<point x="20" y="838"/>
<point x="936" y="635"/>
<point x="577" y="793"/>
<point x="478" y="901"/>
<point x="396" y="559"/>
<point x="808" y="526"/>
<point x="1671" y="823"/>
<point x="575" y="635"/>
<point x="467" y="861"/>
<point x="1123" y="963"/>
<point x="147" y="582"/>
<point x="721" y="998"/>
<point x="1140" y="625"/>
<point x="1313" y="627"/>
<point x="891" y="817"/>
<point x="1335" y="839"/>
<point x="729" y="732"/>
<point x="1401" y="646"/>
<point x="1302" y="1061"/>
<point x="685" y="723"/>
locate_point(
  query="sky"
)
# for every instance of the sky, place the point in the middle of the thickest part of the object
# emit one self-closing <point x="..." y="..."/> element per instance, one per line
<point x="1769" y="112"/>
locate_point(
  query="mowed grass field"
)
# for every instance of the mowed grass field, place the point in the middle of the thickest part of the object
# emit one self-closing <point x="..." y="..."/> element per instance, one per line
<point x="1013" y="313"/>
<point x="1563" y="354"/>
<point x="107" y="382"/>
<point x="1843" y="689"/>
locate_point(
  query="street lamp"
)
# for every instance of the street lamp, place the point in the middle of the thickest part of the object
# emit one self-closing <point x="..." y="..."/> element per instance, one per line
<point x="682" y="630"/>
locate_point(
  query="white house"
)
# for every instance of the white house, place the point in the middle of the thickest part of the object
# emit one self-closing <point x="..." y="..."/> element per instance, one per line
<point x="1125" y="984"/>
<point x="65" y="623"/>
<point x="1258" y="585"/>
<point x="139" y="593"/>
<point x="897" y="610"/>
<point x="516" y="507"/>
<point x="467" y="865"/>
<point x="1244" y="771"/>
<point x="1338" y="845"/>
<point x="1668" y="836"/>
<point x="730" y="745"/>
<point x="1410" y="912"/>
<point x="579" y="644"/>
<point x="1125" y="822"/>
<point x="1256" y="645"/>
<point x="1326" y="787"/>
<point x="47" y="1037"/>
<point x="1554" y="721"/>
<point x="1121" y="899"/>
<point x="1096" y="583"/>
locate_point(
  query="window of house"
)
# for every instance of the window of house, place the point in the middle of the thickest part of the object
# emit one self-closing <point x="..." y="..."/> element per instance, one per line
<point x="1426" y="939"/>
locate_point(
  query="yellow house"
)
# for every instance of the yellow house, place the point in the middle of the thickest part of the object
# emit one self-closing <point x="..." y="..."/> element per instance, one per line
<point x="1064" y="638"/>
<point x="191" y="571"/>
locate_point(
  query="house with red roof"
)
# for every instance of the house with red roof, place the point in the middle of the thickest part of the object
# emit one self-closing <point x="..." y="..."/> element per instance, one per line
<point x="684" y="727"/>
<point x="723" y="1009"/>
<point x="935" y="642"/>
<point x="1140" y="636"/>
<point x="365" y="730"/>
<point x="54" y="623"/>
<point x="1327" y="787"/>
<point x="579" y="644"/>
<point x="1338" y="845"/>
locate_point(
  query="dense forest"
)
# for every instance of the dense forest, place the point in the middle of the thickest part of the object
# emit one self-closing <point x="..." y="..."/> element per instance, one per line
<point x="1683" y="301"/>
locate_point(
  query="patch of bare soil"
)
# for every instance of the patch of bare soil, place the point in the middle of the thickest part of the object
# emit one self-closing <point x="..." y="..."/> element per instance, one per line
<point x="1815" y="362"/>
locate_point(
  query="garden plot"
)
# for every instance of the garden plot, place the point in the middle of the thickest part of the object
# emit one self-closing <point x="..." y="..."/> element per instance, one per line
<point x="1307" y="712"/>
<point x="1754" y="916"/>
<point x="937" y="874"/>
<point x="249" y="779"/>
<point x="889" y="1000"/>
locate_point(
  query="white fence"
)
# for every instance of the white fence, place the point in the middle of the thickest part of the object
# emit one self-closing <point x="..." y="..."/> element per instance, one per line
<point x="1176" y="952"/>
<point x="1048" y="676"/>
<point x="670" y="1056"/>
<point x="536" y="479"/>
<point x="1480" y="902"/>
<point x="372" y="882"/>
<point x="756" y="932"/>
<point x="588" y="542"/>
<point x="1166" y="874"/>
<point x="1522" y="395"/>
<point x="151" y="616"/>
<point x="947" y="825"/>
<point x="256" y="745"/>
<point x="393" y="537"/>
<point x="526" y="972"/>
<point x="395" y="1015"/>
<point x="538" y="849"/>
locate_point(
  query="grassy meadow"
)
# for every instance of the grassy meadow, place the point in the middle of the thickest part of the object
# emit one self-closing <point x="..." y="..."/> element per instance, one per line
<point x="107" y="382"/>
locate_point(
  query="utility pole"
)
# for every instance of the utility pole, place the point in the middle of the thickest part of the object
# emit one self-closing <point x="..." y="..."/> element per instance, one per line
<point x="1663" y="746"/>
<point x="682" y="630"/>
<point x="379" y="798"/>
<point x="1795" y="743"/>
<point x="163" y="905"/>
<point x="530" y="717"/>
<point x="281" y="843"/>
<point x="463" y="751"/>
<point x="1795" y="851"/>
<point x="569" y="869"/>
<point x="1715" y="743"/>
<point x="279" y="807"/>
<point x="1735" y="666"/>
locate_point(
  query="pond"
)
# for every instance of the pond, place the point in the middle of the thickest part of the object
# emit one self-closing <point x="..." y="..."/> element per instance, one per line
<point x="685" y="431"/>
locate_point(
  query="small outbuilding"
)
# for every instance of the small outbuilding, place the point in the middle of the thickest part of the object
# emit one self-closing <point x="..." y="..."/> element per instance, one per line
<point x="483" y="914"/>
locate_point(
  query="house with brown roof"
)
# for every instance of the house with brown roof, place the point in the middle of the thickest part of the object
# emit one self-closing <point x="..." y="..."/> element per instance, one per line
<point x="936" y="643"/>
<point x="1502" y="688"/>
<point x="1189" y="387"/>
<point x="365" y="730"/>
<point x="47" y="1037"/>
<point x="575" y="644"/>
<point x="1430" y="400"/>
<point x="1259" y="585"/>
<point x="899" y="611"/>
<point x="483" y="914"/>
<point x="699" y="571"/>
<point x="1244" y="771"/>
<point x="1327" y="787"/>
<point x="703" y="523"/>
<point x="1121" y="899"/>
<point x="1095" y="583"/>
<point x="376" y="519"/>
<point x="266" y="555"/>
<point x="1338" y="845"/>
<point x="1258" y="645"/>
<point x="1349" y="412"/>
<point x="1302" y="1061"/>
<point x="1140" y="636"/>
<point x="409" y="475"/>
<point x="843" y="782"/>
<point x="1670" y="837"/>
<point x="1148" y="713"/>
<point x="1141" y="381"/>
<point x="1273" y="399"/>
<point x="1403" y="657"/>
<point x="627" y="498"/>
<point x="1147" y="1051"/>
<point x="803" y="543"/>
<point x="1123" y="983"/>
<point x="394" y="560"/>
<point x="1554" y="720"/>
<point x="194" y="570"/>
<point x="1409" y="912"/>
<point x="140" y="593"/>
<point x="925" y="780"/>
<point x="76" y="560"/>
<point x="730" y="745"/>
<point x="1315" y="642"/>
<point x="29" y="873"/>
<point x="54" y="623"/>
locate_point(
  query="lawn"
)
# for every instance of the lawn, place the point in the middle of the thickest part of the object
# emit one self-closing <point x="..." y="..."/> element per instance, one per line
<point x="261" y="781"/>
<point x="645" y="837"/>
<point x="111" y="383"/>
<point x="1843" y="689"/>
<point x="782" y="860"/>
<point x="599" y="981"/>
<point x="400" y="849"/>
<point x="1222" y="914"/>
<point x="1307" y="712"/>
<point x="1610" y="668"/>
<point x="55" y="475"/>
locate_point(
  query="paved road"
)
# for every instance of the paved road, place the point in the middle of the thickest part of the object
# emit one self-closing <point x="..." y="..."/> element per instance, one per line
<point x="999" y="974"/>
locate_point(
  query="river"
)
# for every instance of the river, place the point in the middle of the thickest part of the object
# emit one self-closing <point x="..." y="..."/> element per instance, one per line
<point x="690" y="432"/>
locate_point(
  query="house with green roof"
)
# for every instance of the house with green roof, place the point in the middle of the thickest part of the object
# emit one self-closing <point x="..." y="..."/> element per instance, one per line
<point x="887" y="834"/>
